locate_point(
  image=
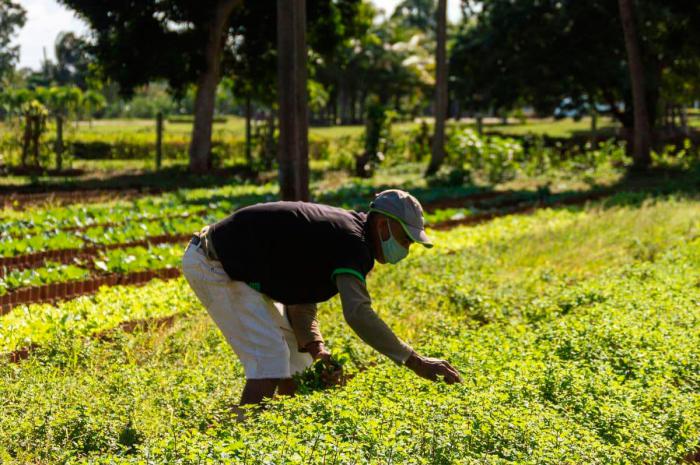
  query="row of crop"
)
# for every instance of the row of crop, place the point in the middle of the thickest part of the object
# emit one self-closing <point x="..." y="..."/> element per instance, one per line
<point x="66" y="290"/>
<point x="55" y="281"/>
<point x="572" y="364"/>
<point x="82" y="215"/>
<point x="65" y="256"/>
<point x="114" y="301"/>
<point x="510" y="229"/>
<point x="457" y="239"/>
<point x="443" y="218"/>
<point x="19" y="232"/>
<point x="80" y="221"/>
<point x="124" y="260"/>
<point x="355" y="194"/>
<point x="25" y="200"/>
<point x="131" y="209"/>
<point x="99" y="236"/>
<point x="57" y="228"/>
<point x="65" y="246"/>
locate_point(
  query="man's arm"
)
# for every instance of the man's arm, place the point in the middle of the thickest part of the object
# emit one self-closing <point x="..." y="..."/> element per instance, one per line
<point x="357" y="309"/>
<point x="303" y="320"/>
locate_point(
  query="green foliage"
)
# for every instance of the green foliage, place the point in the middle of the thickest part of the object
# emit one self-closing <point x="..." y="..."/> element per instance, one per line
<point x="311" y="379"/>
<point x="568" y="356"/>
<point x="498" y="159"/>
<point x="671" y="156"/>
<point x="500" y="61"/>
<point x="376" y="137"/>
<point x="51" y="273"/>
<point x="12" y="17"/>
<point x="47" y="325"/>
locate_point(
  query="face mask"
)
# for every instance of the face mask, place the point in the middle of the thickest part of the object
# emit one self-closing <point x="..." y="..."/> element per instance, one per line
<point x="392" y="250"/>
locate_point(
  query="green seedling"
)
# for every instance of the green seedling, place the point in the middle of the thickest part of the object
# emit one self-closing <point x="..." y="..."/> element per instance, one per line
<point x="315" y="377"/>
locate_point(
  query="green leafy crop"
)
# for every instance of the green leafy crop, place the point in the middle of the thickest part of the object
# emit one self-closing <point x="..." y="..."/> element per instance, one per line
<point x="312" y="379"/>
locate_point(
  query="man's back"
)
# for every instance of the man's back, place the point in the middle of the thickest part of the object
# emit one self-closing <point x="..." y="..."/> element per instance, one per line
<point x="290" y="250"/>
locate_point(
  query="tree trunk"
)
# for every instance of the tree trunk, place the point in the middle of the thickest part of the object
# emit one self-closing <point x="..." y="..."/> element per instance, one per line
<point x="642" y="130"/>
<point x="59" y="142"/>
<point x="248" y="149"/>
<point x="440" y="90"/>
<point x="353" y="108"/>
<point x="159" y="140"/>
<point x="361" y="105"/>
<point x="594" y="123"/>
<point x="684" y="120"/>
<point x="334" y="106"/>
<point x="200" y="146"/>
<point x="270" y="149"/>
<point x="292" y="151"/>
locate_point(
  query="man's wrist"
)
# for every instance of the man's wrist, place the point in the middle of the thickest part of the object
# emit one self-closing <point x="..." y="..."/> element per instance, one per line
<point x="314" y="348"/>
<point x="413" y="360"/>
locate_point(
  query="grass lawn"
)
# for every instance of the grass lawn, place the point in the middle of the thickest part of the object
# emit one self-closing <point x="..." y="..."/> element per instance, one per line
<point x="566" y="127"/>
<point x="235" y="127"/>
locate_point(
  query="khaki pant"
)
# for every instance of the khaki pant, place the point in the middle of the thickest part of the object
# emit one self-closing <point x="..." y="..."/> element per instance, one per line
<point x="256" y="327"/>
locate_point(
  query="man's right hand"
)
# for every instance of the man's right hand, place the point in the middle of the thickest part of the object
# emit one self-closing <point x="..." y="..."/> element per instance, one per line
<point x="431" y="368"/>
<point x="319" y="351"/>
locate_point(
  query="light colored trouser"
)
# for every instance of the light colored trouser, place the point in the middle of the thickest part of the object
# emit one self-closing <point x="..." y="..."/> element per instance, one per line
<point x="256" y="327"/>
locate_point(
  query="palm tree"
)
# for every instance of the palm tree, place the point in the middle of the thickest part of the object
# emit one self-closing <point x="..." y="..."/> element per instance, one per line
<point x="92" y="102"/>
<point x="61" y="102"/>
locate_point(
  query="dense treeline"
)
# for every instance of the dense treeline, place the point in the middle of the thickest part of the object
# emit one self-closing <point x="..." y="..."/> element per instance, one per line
<point x="368" y="67"/>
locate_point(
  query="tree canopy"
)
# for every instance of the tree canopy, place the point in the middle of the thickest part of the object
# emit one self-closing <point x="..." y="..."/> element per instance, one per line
<point x="541" y="52"/>
<point x="12" y="18"/>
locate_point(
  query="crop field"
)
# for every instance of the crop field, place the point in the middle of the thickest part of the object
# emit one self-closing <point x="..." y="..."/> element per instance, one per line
<point x="552" y="318"/>
<point x="576" y="328"/>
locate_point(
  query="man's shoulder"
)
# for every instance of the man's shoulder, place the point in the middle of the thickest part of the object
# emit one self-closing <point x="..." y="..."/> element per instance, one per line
<point x="344" y="219"/>
<point x="298" y="205"/>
